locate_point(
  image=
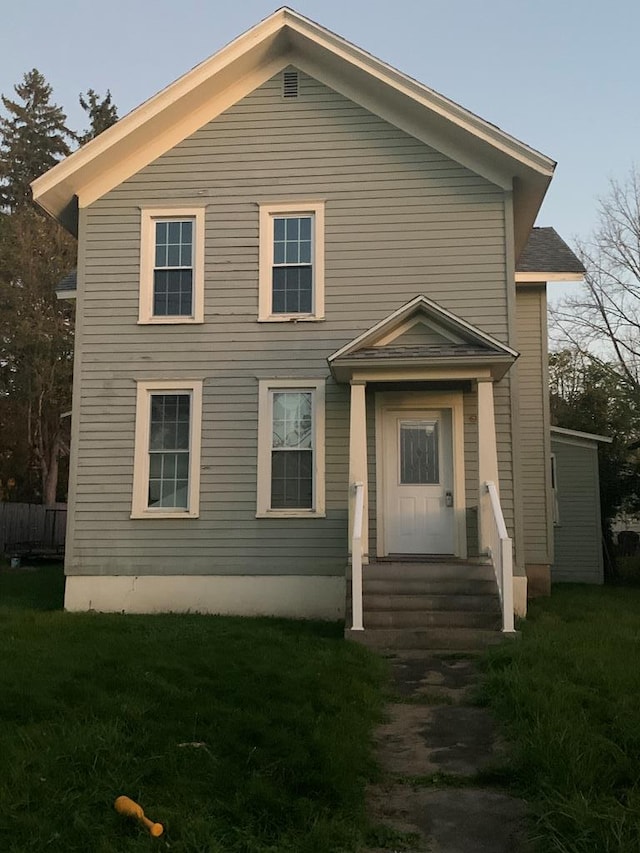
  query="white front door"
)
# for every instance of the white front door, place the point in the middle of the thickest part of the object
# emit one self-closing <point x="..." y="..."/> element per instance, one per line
<point x="418" y="482"/>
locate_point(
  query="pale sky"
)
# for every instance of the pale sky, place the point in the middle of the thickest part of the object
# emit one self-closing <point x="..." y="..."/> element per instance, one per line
<point x="561" y="75"/>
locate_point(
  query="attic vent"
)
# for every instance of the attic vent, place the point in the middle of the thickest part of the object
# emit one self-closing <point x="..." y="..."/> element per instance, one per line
<point x="290" y="84"/>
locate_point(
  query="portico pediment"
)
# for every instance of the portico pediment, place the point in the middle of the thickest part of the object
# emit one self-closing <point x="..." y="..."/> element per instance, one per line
<point x="422" y="340"/>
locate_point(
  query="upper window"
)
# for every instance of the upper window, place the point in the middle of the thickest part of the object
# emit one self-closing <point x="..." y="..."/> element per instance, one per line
<point x="291" y="448"/>
<point x="292" y="261"/>
<point x="167" y="453"/>
<point x="172" y="266"/>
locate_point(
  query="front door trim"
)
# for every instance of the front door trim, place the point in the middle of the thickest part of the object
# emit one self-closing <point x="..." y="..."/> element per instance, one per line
<point x="423" y="401"/>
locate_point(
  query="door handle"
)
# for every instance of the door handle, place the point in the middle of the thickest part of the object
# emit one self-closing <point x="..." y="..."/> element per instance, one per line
<point x="448" y="498"/>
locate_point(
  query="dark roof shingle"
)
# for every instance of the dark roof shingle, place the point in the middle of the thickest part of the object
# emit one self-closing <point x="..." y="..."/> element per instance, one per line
<point x="420" y="351"/>
<point x="68" y="283"/>
<point x="546" y="251"/>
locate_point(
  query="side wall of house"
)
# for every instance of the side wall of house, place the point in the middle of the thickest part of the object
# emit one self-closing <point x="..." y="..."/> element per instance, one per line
<point x="535" y="451"/>
<point x="578" y="539"/>
<point x="401" y="219"/>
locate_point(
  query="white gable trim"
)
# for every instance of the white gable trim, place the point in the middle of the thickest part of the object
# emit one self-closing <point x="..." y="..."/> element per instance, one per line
<point x="250" y="60"/>
<point x="434" y="312"/>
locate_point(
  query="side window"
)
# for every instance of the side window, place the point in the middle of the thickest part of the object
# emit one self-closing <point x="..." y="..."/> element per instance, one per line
<point x="166" y="474"/>
<point x="291" y="448"/>
<point x="172" y="266"/>
<point x="291" y="261"/>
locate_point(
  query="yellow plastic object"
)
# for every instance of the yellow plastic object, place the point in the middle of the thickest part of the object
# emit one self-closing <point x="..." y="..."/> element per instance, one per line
<point x="129" y="808"/>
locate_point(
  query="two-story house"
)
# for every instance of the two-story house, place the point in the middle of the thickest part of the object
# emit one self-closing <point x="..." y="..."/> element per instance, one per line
<point x="310" y="304"/>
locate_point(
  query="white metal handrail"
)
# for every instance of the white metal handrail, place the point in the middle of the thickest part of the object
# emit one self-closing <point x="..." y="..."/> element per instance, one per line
<point x="356" y="558"/>
<point x="501" y="552"/>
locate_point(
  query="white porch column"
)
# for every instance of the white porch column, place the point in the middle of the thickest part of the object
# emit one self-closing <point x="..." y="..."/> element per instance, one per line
<point x="487" y="455"/>
<point x="358" y="459"/>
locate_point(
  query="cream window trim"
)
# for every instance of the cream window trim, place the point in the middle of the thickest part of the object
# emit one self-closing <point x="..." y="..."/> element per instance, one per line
<point x="147" y="263"/>
<point x="145" y="390"/>
<point x="266" y="388"/>
<point x="268" y="211"/>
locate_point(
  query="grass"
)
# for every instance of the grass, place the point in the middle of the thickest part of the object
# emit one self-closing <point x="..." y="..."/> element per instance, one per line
<point x="247" y="735"/>
<point x="568" y="695"/>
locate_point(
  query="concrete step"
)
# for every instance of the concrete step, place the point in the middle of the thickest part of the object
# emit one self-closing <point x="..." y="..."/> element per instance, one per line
<point x="432" y="571"/>
<point x="433" y="639"/>
<point x="424" y="586"/>
<point x="407" y="601"/>
<point x="396" y="586"/>
<point x="431" y="619"/>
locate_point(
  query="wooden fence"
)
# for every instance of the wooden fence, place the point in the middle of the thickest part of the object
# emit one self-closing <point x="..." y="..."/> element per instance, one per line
<point x="32" y="528"/>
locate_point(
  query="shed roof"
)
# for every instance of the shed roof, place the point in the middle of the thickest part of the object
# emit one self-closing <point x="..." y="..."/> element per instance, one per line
<point x="561" y="432"/>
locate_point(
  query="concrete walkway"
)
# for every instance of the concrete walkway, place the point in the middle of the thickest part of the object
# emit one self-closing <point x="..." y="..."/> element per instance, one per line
<point x="432" y="745"/>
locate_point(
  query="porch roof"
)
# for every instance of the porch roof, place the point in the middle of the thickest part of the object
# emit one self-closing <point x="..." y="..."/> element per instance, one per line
<point x="454" y="348"/>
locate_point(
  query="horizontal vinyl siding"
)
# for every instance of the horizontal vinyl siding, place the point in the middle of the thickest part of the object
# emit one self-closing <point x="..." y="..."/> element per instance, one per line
<point x="534" y="452"/>
<point x="401" y="219"/>
<point x="578" y="548"/>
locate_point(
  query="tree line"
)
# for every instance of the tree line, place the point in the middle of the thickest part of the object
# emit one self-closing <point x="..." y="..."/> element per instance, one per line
<point x="595" y="368"/>
<point x="36" y="329"/>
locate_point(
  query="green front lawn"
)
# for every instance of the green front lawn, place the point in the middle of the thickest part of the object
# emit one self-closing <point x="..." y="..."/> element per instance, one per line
<point x="568" y="693"/>
<point x="236" y="734"/>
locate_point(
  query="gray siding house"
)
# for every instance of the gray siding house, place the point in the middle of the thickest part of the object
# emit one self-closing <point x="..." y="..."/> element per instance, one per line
<point x="311" y="320"/>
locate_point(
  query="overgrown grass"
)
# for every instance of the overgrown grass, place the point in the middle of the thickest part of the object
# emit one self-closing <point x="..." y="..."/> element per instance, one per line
<point x="569" y="695"/>
<point x="237" y="734"/>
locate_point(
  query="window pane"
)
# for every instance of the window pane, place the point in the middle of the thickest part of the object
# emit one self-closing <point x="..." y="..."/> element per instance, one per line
<point x="305" y="252"/>
<point x="174" y="243"/>
<point x="278" y="253"/>
<point x="305" y="228"/>
<point x="292" y="229"/>
<point x="169" y="429"/>
<point x="292" y="290"/>
<point x="187" y="231"/>
<point x="292" y="419"/>
<point x="172" y="293"/>
<point x="419" y="453"/>
<point x="161" y="233"/>
<point x="291" y="479"/>
<point x="292" y="253"/>
<point x="278" y="228"/>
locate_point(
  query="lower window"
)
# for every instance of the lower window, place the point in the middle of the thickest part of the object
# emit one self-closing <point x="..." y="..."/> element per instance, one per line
<point x="167" y="453"/>
<point x="291" y="448"/>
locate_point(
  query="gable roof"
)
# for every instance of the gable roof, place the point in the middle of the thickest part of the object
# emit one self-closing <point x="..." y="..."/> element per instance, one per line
<point x="547" y="256"/>
<point x="461" y="344"/>
<point x="287" y="38"/>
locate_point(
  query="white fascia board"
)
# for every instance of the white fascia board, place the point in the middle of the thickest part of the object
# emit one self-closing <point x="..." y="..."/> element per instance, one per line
<point x="222" y="80"/>
<point x="561" y="432"/>
<point x="425" y="96"/>
<point x="541" y="277"/>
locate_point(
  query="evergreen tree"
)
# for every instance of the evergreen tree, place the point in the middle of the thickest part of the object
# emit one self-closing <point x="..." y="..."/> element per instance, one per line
<point x="102" y="113"/>
<point x="36" y="330"/>
<point x="33" y="137"/>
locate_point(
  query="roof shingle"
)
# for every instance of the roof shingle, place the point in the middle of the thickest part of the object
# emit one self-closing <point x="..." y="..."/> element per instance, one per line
<point x="547" y="252"/>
